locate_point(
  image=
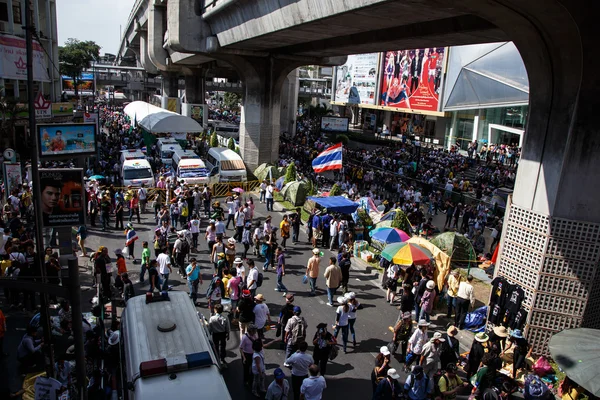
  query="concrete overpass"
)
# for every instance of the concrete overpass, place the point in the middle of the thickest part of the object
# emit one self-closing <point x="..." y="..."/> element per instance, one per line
<point x="551" y="240"/>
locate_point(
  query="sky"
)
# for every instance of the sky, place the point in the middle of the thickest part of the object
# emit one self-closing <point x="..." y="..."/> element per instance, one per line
<point x="96" y="20"/>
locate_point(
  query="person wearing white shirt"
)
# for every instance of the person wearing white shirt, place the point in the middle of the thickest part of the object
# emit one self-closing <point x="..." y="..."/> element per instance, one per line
<point x="333" y="232"/>
<point x="252" y="277"/>
<point x="269" y="197"/>
<point x="312" y="387"/>
<point x="164" y="268"/>
<point x="464" y="297"/>
<point x="299" y="362"/>
<point x="416" y="343"/>
<point x="220" y="227"/>
<point x="261" y="315"/>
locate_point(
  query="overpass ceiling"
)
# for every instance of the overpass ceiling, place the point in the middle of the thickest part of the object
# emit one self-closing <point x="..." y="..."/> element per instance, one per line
<point x="386" y="26"/>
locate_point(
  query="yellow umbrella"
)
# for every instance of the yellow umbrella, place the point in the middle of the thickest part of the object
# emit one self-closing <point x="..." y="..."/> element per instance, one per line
<point x="442" y="260"/>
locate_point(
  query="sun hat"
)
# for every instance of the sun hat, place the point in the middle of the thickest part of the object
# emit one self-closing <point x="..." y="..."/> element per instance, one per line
<point x="231" y="241"/>
<point x="482" y="337"/>
<point x="451" y="331"/>
<point x="350" y="295"/>
<point x="430" y="285"/>
<point x="259" y="297"/>
<point x="278" y="373"/>
<point x="384" y="350"/>
<point x="406" y="315"/>
<point x="114" y="338"/>
<point x="422" y="322"/>
<point x="438" y="336"/>
<point x="392" y="373"/>
<point x="501" y="331"/>
<point x="315" y="251"/>
<point x="342" y="300"/>
<point x="517" y="334"/>
<point x="238" y="260"/>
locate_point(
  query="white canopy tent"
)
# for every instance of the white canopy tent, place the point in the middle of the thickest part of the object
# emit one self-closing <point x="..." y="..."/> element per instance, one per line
<point x="157" y="120"/>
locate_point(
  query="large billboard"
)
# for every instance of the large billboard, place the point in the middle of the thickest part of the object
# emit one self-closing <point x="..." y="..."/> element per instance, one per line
<point x="66" y="139"/>
<point x="334" y="124"/>
<point x="86" y="82"/>
<point x="62" y="195"/>
<point x="412" y="79"/>
<point x="13" y="59"/>
<point x="356" y="80"/>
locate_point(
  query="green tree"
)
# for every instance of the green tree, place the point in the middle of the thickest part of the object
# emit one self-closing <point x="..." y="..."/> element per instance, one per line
<point x="231" y="101"/>
<point x="214" y="141"/>
<point x="335" y="190"/>
<point x="290" y="173"/>
<point x="231" y="144"/>
<point x="401" y="221"/>
<point x="74" y="57"/>
<point x="9" y="110"/>
<point x="342" y="138"/>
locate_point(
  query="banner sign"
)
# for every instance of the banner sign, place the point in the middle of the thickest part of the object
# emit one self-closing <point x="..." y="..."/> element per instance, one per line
<point x="90" y="118"/>
<point x="62" y="109"/>
<point x="334" y="124"/>
<point x="412" y="79"/>
<point x="67" y="139"/>
<point x="12" y="177"/>
<point x="13" y="59"/>
<point x="62" y="195"/>
<point x="86" y="82"/>
<point x="356" y="80"/>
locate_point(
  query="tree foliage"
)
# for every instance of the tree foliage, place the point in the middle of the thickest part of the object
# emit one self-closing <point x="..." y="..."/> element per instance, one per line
<point x="231" y="101"/>
<point x="335" y="190"/>
<point x="75" y="56"/>
<point x="401" y="221"/>
<point x="9" y="110"/>
<point x="214" y="141"/>
<point x="231" y="144"/>
<point x="342" y="138"/>
<point x="290" y="173"/>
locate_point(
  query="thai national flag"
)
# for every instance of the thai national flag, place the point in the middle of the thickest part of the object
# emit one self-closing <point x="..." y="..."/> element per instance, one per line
<point x="328" y="160"/>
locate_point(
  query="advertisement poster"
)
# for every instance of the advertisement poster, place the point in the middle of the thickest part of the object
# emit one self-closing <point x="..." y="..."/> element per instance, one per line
<point x="90" y="118"/>
<point x="67" y="139"/>
<point x="62" y="109"/>
<point x="13" y="59"/>
<point x="12" y="176"/>
<point x="63" y="197"/>
<point x="356" y="80"/>
<point x="412" y="79"/>
<point x="197" y="113"/>
<point x="86" y="83"/>
<point x="334" y="124"/>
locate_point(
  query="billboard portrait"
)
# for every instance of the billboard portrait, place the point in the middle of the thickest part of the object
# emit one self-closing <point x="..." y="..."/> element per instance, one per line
<point x="62" y="196"/>
<point x="67" y="139"/>
<point x="12" y="177"/>
<point x="356" y="80"/>
<point x="334" y="124"/>
<point x="412" y="79"/>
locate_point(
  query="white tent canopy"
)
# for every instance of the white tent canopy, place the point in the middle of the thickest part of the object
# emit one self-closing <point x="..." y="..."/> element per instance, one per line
<point x="157" y="120"/>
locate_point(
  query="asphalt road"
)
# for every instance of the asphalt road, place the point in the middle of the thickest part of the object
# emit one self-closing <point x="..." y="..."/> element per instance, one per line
<point x="347" y="375"/>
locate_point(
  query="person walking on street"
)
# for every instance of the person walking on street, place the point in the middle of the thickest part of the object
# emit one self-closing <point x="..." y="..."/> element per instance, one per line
<point x="286" y="312"/>
<point x="312" y="271"/>
<point x="402" y="333"/>
<point x="464" y="297"/>
<point x="323" y="341"/>
<point x="388" y="388"/>
<point x="333" y="278"/>
<point x="345" y="265"/>
<point x="284" y="230"/>
<point x="164" y="268"/>
<point x="427" y="301"/>
<point x="218" y="325"/>
<point x="261" y="315"/>
<point x="279" y="388"/>
<point x="145" y="261"/>
<point x="130" y="238"/>
<point x="119" y="208"/>
<point x="269" y="197"/>
<point x="415" y="344"/>
<point x="258" y="369"/>
<point x="312" y="387"/>
<point x="296" y="222"/>
<point x="134" y="208"/>
<point x="252" y="279"/>
<point x="354" y="306"/>
<point x="450" y="348"/>
<point x="452" y="291"/>
<point x="194" y="278"/>
<point x="245" y="312"/>
<point x="295" y="332"/>
<point x="430" y="357"/>
<point x="280" y="271"/>
<point x="299" y="363"/>
<point x="341" y="322"/>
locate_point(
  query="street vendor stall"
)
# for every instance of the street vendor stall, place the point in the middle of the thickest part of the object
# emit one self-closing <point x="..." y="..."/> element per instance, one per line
<point x="338" y="204"/>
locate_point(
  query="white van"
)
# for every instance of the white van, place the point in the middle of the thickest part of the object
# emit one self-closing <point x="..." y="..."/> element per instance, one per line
<point x="167" y="351"/>
<point x="132" y="154"/>
<point x="188" y="167"/>
<point x="166" y="147"/>
<point x="225" y="165"/>
<point x="137" y="171"/>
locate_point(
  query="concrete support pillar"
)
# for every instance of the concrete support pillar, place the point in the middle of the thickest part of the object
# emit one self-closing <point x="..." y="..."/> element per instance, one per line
<point x="170" y="84"/>
<point x="260" y="124"/>
<point x="289" y="104"/>
<point x="194" y="88"/>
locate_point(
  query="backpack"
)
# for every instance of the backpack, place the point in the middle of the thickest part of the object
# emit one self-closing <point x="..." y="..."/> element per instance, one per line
<point x="436" y="384"/>
<point x="15" y="263"/>
<point x="185" y="247"/>
<point x="413" y="380"/>
<point x="259" y="280"/>
<point x="298" y="332"/>
<point x="184" y="211"/>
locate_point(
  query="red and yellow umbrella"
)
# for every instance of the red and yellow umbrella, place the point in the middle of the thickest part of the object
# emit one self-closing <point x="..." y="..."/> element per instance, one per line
<point x="406" y="254"/>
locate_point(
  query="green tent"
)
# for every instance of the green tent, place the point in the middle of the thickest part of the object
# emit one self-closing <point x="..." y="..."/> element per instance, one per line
<point x="266" y="171"/>
<point x="456" y="246"/>
<point x="260" y="169"/>
<point x="295" y="192"/>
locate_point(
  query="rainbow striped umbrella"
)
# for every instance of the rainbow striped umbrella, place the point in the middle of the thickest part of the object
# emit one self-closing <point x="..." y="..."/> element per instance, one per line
<point x="406" y="254"/>
<point x="389" y="235"/>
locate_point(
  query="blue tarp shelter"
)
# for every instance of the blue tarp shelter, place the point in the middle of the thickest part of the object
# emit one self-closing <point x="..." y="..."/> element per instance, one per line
<point x="338" y="204"/>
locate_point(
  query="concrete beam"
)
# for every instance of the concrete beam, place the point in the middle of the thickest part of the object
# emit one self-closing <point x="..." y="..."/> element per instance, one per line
<point x="156" y="53"/>
<point x="143" y="56"/>
<point x="187" y="30"/>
